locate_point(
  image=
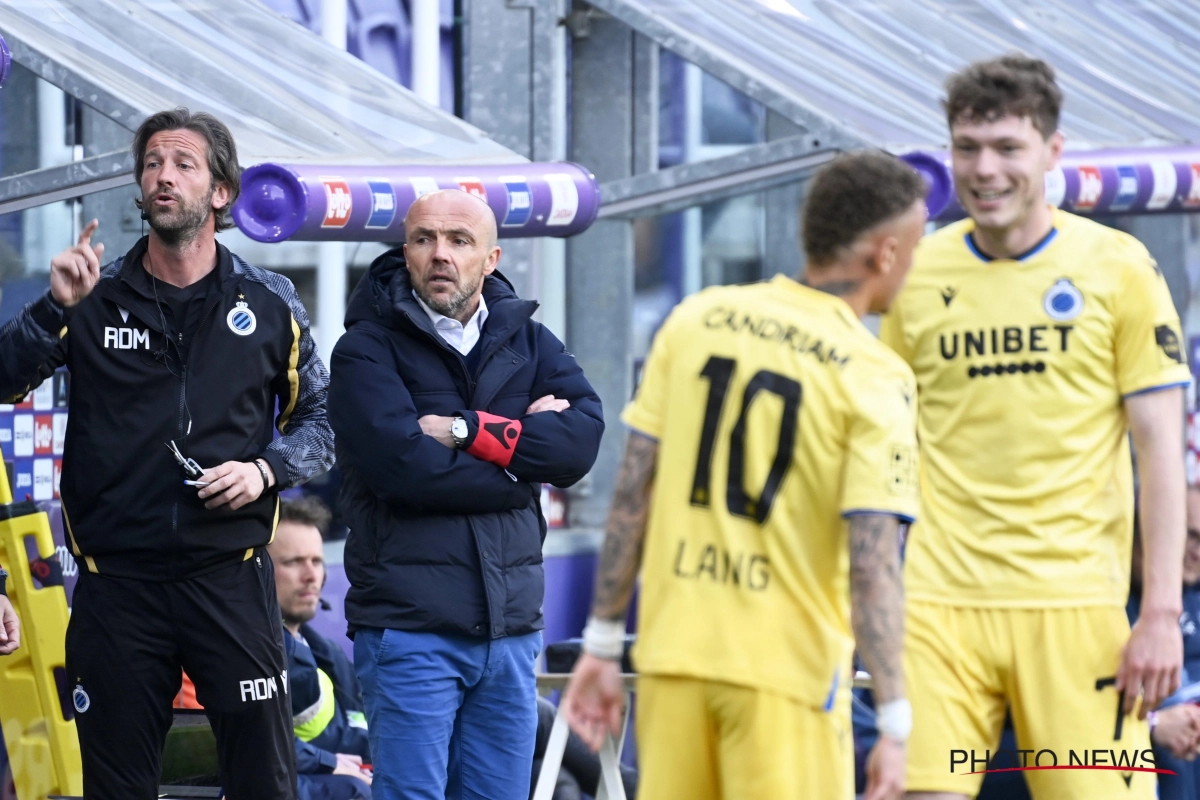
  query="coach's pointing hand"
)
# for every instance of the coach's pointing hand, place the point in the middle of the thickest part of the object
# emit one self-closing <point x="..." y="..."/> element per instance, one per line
<point x="74" y="271"/>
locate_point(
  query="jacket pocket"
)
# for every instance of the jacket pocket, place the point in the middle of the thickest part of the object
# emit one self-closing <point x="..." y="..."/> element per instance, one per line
<point x="362" y="544"/>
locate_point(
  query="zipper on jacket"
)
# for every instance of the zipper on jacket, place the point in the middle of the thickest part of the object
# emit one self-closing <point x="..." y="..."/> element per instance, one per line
<point x="179" y="425"/>
<point x="183" y="409"/>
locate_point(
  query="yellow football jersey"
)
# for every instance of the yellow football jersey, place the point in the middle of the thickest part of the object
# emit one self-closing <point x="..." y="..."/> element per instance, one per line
<point x="1022" y="367"/>
<point x="777" y="413"/>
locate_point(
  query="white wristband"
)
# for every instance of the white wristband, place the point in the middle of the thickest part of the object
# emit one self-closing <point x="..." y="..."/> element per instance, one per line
<point x="894" y="719"/>
<point x="604" y="638"/>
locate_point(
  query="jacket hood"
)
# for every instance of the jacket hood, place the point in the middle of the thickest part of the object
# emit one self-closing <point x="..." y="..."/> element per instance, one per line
<point x="388" y="283"/>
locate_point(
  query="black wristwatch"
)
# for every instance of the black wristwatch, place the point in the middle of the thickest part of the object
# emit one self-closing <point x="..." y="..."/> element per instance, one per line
<point x="3" y="578"/>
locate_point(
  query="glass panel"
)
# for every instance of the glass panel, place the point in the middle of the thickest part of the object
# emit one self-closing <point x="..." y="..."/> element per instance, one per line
<point x="285" y="94"/>
<point x="730" y="250"/>
<point x="877" y="66"/>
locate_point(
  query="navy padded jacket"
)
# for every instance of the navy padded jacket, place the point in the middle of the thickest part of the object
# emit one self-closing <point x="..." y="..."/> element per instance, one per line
<point x="439" y="539"/>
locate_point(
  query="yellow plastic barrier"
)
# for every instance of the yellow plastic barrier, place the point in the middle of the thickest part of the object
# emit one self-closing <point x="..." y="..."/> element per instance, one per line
<point x="43" y="748"/>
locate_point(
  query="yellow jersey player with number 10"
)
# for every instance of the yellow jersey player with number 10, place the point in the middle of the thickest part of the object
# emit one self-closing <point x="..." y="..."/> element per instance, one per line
<point x="1038" y="340"/>
<point x="771" y="462"/>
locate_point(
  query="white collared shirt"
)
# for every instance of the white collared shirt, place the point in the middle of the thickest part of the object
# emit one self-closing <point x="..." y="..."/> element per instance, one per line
<point x="461" y="337"/>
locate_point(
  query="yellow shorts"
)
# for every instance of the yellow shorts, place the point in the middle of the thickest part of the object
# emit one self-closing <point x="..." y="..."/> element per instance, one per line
<point x="704" y="740"/>
<point x="1054" y="668"/>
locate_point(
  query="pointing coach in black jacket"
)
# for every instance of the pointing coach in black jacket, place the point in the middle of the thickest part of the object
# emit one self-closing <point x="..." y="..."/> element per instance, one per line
<point x="450" y="406"/>
<point x="177" y="343"/>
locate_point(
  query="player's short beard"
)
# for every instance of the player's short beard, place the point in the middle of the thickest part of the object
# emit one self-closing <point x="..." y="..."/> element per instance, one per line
<point x="179" y="226"/>
<point x="450" y="306"/>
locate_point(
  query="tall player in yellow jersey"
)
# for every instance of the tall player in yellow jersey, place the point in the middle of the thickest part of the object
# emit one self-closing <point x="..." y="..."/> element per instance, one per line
<point x="768" y="422"/>
<point x="1038" y="340"/>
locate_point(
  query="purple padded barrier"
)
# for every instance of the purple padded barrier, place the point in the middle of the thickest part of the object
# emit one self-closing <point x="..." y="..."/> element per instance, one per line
<point x="1142" y="181"/>
<point x="5" y="61"/>
<point x="368" y="204"/>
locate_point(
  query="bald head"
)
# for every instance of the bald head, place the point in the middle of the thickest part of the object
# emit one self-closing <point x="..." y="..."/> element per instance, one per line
<point x="450" y="246"/>
<point x="456" y="204"/>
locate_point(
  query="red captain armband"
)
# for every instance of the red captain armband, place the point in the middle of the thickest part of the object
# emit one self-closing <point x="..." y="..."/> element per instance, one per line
<point x="496" y="440"/>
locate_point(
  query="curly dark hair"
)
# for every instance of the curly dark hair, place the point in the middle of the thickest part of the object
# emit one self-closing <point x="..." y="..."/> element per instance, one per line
<point x="222" y="152"/>
<point x="1012" y="84"/>
<point x="307" y="510"/>
<point x="851" y="195"/>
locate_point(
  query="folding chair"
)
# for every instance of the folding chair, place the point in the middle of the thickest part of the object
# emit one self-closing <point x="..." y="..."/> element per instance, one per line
<point x="611" y="787"/>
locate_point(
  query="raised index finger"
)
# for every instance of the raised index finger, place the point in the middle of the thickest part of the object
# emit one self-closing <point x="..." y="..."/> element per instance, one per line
<point x="85" y="235"/>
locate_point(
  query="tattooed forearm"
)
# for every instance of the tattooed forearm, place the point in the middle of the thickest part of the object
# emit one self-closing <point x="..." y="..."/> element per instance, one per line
<point x="626" y="531"/>
<point x="877" y="601"/>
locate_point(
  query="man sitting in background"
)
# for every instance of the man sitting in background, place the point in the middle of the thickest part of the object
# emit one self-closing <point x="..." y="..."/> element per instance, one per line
<point x="331" y="730"/>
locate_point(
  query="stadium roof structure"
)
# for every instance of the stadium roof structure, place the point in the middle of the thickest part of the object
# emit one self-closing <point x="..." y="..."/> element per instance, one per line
<point x="286" y="94"/>
<point x="854" y="73"/>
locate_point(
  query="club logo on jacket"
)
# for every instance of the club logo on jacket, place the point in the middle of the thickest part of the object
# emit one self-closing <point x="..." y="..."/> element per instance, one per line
<point x="1062" y="301"/>
<point x="80" y="699"/>
<point x="241" y="319"/>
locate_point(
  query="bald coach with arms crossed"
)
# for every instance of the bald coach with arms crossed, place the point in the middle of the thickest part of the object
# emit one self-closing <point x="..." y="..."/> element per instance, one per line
<point x="450" y="406"/>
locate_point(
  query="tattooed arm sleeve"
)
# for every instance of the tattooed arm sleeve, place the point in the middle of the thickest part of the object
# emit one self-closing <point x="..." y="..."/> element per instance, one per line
<point x="626" y="530"/>
<point x="877" y="601"/>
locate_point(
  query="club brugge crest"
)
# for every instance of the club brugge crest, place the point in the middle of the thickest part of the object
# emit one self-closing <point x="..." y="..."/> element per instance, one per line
<point x="241" y="319"/>
<point x="80" y="699"/>
<point x="1062" y="301"/>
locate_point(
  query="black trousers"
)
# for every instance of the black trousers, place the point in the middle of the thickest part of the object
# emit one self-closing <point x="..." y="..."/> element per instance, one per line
<point x="126" y="643"/>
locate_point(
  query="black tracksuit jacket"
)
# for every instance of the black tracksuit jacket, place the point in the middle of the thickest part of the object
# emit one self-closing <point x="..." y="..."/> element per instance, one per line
<point x="251" y="364"/>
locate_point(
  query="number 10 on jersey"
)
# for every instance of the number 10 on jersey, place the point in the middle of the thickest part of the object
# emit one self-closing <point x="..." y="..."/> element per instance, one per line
<point x="741" y="502"/>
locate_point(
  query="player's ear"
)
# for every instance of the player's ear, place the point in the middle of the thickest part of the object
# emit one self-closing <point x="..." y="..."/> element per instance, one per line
<point x="884" y="257"/>
<point x="1054" y="149"/>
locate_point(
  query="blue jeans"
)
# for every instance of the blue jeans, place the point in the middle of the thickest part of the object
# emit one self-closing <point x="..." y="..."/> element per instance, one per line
<point x="450" y="717"/>
<point x="332" y="787"/>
